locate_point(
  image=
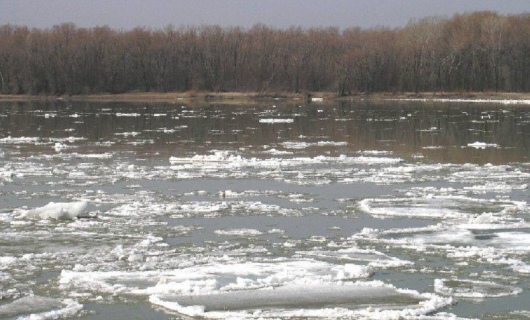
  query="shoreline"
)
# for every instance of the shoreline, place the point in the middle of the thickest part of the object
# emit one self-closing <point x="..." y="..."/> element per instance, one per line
<point x="255" y="97"/>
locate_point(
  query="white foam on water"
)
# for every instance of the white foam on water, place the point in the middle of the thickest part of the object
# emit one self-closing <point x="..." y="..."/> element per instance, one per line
<point x="463" y="288"/>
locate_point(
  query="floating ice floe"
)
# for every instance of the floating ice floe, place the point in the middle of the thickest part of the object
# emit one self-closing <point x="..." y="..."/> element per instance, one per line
<point x="6" y="174"/>
<point x="248" y="290"/>
<point x="373" y="258"/>
<point x="60" y="147"/>
<point x="19" y="140"/>
<point x="56" y="210"/>
<point x="304" y="301"/>
<point x="127" y="134"/>
<point x="331" y="143"/>
<point x="296" y="144"/>
<point x="239" y="232"/>
<point x="230" y="160"/>
<point x="276" y="120"/>
<point x="37" y="307"/>
<point x="119" y="114"/>
<point x="482" y="145"/>
<point x="438" y="206"/>
<point x="366" y="300"/>
<point x="375" y="153"/>
<point x="473" y="289"/>
<point x="278" y="152"/>
<point x="304" y="145"/>
<point x="499" y="101"/>
<point x="75" y="155"/>
<point x="500" y="187"/>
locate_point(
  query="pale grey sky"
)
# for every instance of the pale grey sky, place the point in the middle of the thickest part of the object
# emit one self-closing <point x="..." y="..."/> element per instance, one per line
<point x="127" y="14"/>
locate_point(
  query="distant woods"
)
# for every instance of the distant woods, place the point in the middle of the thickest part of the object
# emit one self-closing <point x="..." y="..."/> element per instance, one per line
<point x="481" y="51"/>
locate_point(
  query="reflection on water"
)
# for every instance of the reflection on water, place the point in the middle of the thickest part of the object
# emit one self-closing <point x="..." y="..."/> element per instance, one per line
<point x="456" y="133"/>
<point x="344" y="210"/>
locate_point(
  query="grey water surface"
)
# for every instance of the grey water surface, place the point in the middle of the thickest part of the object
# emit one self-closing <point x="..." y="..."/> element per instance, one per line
<point x="431" y="197"/>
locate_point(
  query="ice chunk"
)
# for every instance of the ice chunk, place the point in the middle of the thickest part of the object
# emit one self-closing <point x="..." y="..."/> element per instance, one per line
<point x="60" y="146"/>
<point x="57" y="210"/>
<point x="347" y="300"/>
<point x="474" y="289"/>
<point x="239" y="232"/>
<point x="31" y="305"/>
<point x="499" y="101"/>
<point x="274" y="120"/>
<point x="305" y="296"/>
<point x="18" y="140"/>
<point x="482" y="145"/>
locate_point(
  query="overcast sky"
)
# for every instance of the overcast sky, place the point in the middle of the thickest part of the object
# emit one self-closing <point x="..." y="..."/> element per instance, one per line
<point x="156" y="14"/>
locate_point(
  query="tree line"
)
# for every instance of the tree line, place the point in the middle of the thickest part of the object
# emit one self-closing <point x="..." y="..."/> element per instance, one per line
<point x="481" y="51"/>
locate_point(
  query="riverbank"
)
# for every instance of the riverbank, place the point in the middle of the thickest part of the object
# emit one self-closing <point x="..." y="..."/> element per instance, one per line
<point x="255" y="97"/>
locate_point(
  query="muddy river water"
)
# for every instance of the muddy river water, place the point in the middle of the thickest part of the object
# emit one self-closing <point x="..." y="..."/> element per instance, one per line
<point x="353" y="210"/>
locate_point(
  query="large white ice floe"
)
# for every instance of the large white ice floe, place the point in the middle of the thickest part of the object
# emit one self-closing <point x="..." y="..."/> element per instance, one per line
<point x="429" y="206"/>
<point x="41" y="308"/>
<point x="56" y="210"/>
<point x="368" y="300"/>
<point x="279" y="288"/>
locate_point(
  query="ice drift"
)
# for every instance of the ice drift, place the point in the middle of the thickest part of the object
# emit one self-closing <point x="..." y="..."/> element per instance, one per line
<point x="56" y="210"/>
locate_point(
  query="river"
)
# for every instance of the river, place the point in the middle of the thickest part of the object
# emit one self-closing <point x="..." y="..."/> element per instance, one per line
<point x="356" y="210"/>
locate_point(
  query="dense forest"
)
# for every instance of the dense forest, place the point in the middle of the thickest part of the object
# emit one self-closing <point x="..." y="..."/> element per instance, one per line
<point x="481" y="51"/>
